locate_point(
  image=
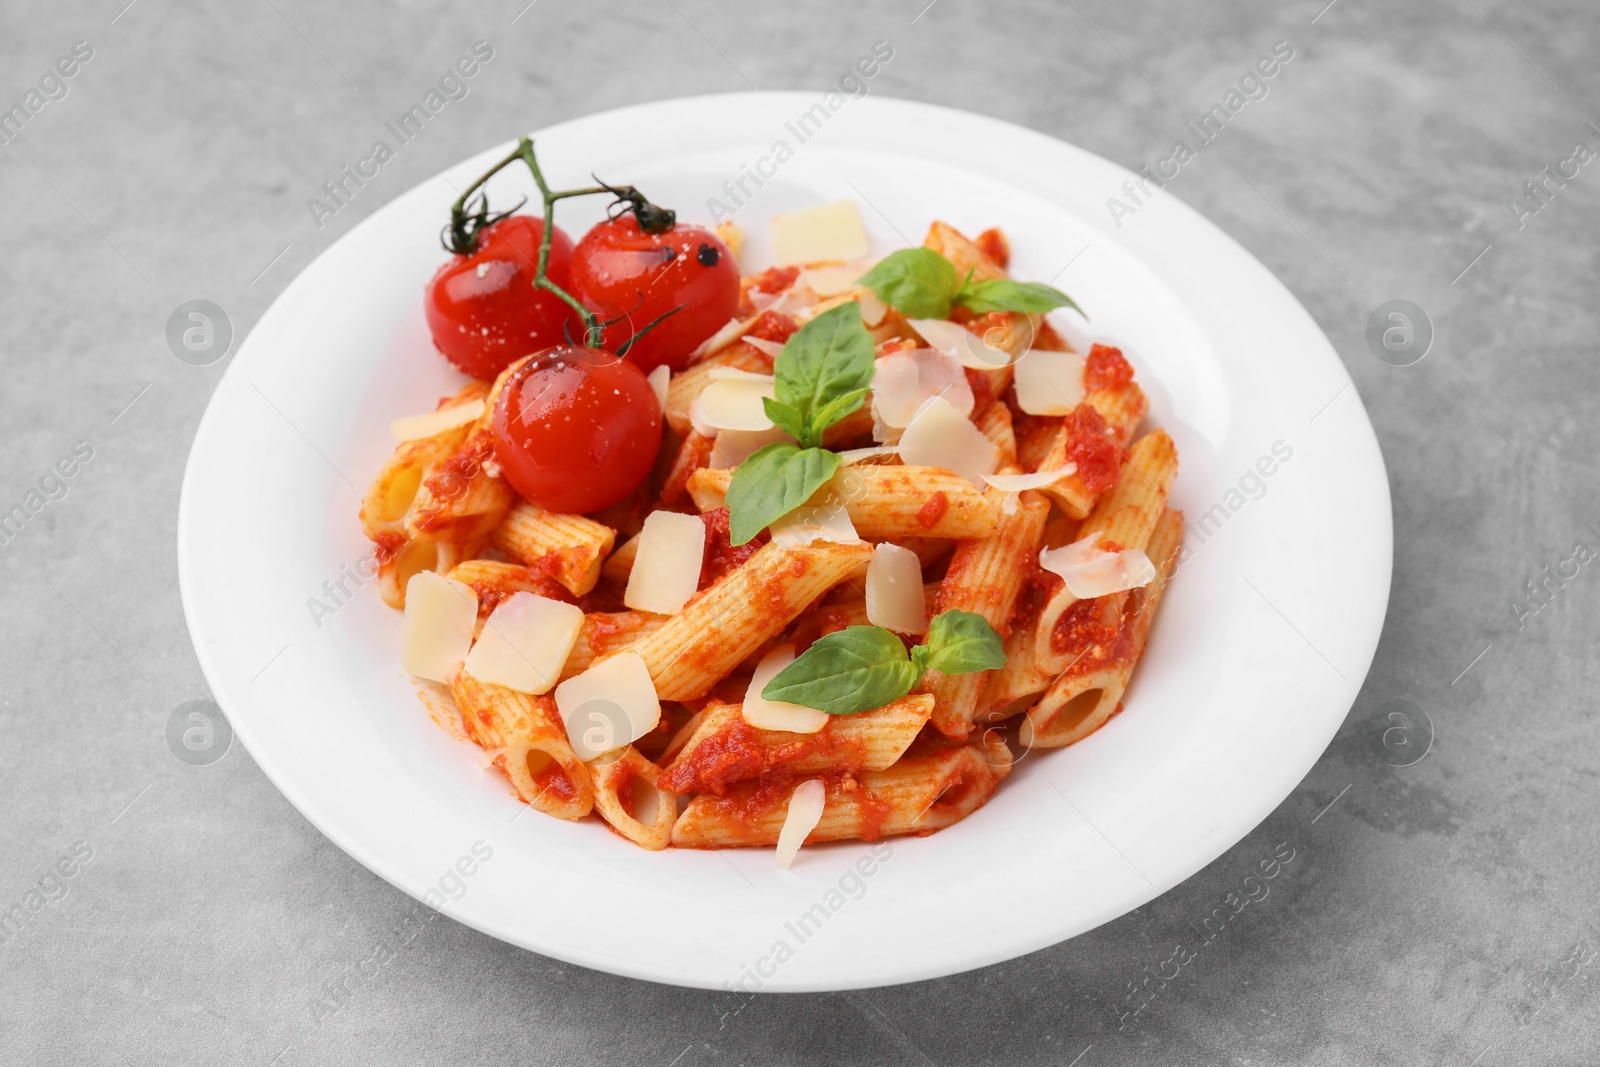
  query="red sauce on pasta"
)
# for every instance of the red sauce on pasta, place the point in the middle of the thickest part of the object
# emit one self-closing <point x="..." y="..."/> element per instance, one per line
<point x="553" y="781"/>
<point x="774" y="279"/>
<point x="1085" y="635"/>
<point x="1106" y="369"/>
<point x="732" y="754"/>
<point x="773" y="326"/>
<point x="722" y="556"/>
<point x="932" y="510"/>
<point x="993" y="244"/>
<point x="1098" y="458"/>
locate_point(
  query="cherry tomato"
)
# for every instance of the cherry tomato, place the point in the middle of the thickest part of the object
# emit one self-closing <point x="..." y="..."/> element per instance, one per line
<point x="576" y="429"/>
<point x="483" y="309"/>
<point x="619" y="270"/>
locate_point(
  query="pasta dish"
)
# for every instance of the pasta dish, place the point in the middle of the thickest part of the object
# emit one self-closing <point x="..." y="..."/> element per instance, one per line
<point x="805" y="554"/>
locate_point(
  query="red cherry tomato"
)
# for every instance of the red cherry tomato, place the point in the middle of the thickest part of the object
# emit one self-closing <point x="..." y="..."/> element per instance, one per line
<point x="619" y="270"/>
<point x="576" y="429"/>
<point x="483" y="309"/>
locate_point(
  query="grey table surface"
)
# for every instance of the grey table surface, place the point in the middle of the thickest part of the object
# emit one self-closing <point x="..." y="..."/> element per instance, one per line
<point x="1439" y="910"/>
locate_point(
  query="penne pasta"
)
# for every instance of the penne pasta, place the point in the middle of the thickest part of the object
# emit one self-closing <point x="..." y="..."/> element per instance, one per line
<point x="1124" y="517"/>
<point x="723" y="748"/>
<point x="995" y="422"/>
<point x="1121" y="409"/>
<point x="619" y="564"/>
<point x="627" y="795"/>
<point x="527" y="743"/>
<point x="698" y="647"/>
<point x="604" y="632"/>
<point x="885" y="503"/>
<point x="390" y="496"/>
<point x="1081" y="700"/>
<point x="463" y="498"/>
<point x="693" y="454"/>
<point x="986" y="575"/>
<point x="916" y="795"/>
<point x="570" y="546"/>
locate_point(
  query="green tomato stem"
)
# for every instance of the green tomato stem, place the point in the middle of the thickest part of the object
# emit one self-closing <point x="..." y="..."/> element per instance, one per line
<point x="464" y="226"/>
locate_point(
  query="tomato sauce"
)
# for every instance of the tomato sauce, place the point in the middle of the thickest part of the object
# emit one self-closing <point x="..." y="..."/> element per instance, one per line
<point x="1089" y="445"/>
<point x="722" y="556"/>
<point x="1085" y="634"/>
<point x="552" y="780"/>
<point x="994" y="246"/>
<point x="1106" y="369"/>
<point x="1099" y="632"/>
<point x="774" y="279"/>
<point x="773" y="326"/>
<point x="932" y="510"/>
<point x="694" y="454"/>
<point x="732" y="754"/>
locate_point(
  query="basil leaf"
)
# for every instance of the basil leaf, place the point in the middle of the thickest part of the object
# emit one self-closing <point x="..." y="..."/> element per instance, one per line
<point x="919" y="281"/>
<point x="787" y="418"/>
<point x="1003" y="294"/>
<point x="855" y="669"/>
<point x="827" y="358"/>
<point x="835" y="410"/>
<point x="773" y="482"/>
<point x="961" y="642"/>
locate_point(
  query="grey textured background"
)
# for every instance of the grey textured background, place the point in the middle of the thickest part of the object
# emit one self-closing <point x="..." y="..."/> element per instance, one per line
<point x="1438" y="913"/>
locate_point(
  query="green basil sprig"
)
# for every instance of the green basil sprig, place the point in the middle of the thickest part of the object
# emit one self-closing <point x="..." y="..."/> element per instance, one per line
<point x="925" y="285"/>
<point x="821" y="376"/>
<point x="865" y="667"/>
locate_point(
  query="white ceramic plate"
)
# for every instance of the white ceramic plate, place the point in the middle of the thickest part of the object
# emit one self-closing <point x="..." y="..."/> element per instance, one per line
<point x="1262" y="643"/>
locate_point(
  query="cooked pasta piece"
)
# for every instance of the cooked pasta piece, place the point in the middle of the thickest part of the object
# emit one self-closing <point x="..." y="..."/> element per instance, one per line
<point x="1081" y="700"/>
<point x="392" y="492"/>
<point x="571" y="546"/>
<point x="494" y="580"/>
<point x="604" y="632"/>
<point x="918" y="794"/>
<point x="628" y="796"/>
<point x="1011" y="689"/>
<point x="396" y="569"/>
<point x="464" y="497"/>
<point x="692" y="454"/>
<point x="1121" y="408"/>
<point x="995" y="422"/>
<point x="723" y="748"/>
<point x="885" y="503"/>
<point x="1124" y="517"/>
<point x="619" y="564"/>
<point x="985" y="576"/>
<point x="527" y="743"/>
<point x="716" y="630"/>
